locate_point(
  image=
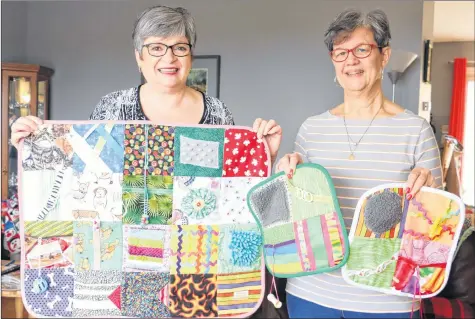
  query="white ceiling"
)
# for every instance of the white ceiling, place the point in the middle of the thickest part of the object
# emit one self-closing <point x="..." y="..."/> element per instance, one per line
<point x="454" y="21"/>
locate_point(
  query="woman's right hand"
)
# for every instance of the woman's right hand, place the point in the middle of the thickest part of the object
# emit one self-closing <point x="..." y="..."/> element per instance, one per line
<point x="23" y="127"/>
<point x="288" y="164"/>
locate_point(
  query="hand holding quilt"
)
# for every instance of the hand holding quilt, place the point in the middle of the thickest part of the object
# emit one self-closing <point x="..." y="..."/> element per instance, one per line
<point x="140" y="220"/>
<point x="404" y="247"/>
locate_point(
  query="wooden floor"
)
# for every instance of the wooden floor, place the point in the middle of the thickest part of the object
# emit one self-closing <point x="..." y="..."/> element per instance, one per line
<point x="9" y="309"/>
<point x="12" y="304"/>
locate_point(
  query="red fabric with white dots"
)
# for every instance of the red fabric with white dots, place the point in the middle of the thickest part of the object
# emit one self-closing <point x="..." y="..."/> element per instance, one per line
<point x="239" y="147"/>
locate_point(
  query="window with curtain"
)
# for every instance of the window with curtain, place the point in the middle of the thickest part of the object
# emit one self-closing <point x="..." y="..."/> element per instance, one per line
<point x="468" y="162"/>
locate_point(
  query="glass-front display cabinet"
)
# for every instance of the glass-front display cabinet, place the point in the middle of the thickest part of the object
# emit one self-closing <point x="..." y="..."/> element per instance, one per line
<point x="25" y="91"/>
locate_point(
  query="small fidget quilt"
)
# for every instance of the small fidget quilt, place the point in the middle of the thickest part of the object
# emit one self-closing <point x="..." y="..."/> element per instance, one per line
<point x="130" y="219"/>
<point x="301" y="222"/>
<point x="404" y="247"/>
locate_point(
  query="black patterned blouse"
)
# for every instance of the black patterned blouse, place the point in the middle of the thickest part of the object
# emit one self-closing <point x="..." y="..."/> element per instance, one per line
<point x="125" y="105"/>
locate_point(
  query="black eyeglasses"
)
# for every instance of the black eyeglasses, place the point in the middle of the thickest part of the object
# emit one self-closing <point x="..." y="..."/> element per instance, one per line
<point x="361" y="51"/>
<point x="160" y="49"/>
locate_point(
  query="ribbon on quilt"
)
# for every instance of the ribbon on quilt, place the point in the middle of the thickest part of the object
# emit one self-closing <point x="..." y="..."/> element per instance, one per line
<point x="141" y="220"/>
<point x="300" y="221"/>
<point x="404" y="247"/>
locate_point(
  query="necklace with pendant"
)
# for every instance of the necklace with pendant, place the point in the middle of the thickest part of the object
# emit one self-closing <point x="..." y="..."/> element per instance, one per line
<point x="350" y="140"/>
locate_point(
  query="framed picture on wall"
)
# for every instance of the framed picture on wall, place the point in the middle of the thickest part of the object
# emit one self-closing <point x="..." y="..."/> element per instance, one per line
<point x="204" y="75"/>
<point x="426" y="74"/>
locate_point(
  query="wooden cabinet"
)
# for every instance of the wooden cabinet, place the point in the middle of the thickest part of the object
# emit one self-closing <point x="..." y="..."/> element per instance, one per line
<point x="25" y="91"/>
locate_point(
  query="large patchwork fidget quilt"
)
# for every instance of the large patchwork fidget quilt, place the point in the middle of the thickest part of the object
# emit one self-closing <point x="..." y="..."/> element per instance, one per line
<point x="301" y="222"/>
<point x="140" y="220"/>
<point x="404" y="247"/>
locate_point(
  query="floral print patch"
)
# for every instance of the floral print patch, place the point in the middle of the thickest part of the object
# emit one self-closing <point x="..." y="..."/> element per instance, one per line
<point x="196" y="199"/>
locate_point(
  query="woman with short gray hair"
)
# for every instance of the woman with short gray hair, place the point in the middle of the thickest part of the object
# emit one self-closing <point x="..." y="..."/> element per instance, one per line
<point x="363" y="142"/>
<point x="164" y="39"/>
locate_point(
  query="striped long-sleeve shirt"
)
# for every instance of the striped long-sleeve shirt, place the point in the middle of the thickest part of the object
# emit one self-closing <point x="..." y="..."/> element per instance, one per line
<point x="387" y="153"/>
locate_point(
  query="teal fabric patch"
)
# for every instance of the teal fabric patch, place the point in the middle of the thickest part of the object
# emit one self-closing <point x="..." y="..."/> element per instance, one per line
<point x="199" y="152"/>
<point x="239" y="248"/>
<point x="83" y="250"/>
<point x="108" y="238"/>
<point x="111" y="245"/>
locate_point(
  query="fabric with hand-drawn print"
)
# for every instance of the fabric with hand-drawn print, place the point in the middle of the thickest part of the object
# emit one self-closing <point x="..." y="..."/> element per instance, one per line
<point x="97" y="248"/>
<point x="48" y="149"/>
<point x="141" y="219"/>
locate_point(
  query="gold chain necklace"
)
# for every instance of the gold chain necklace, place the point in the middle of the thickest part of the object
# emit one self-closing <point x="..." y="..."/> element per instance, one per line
<point x="352" y="151"/>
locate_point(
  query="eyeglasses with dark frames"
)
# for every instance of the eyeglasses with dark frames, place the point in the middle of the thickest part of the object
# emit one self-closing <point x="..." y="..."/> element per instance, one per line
<point x="160" y="49"/>
<point x="361" y="51"/>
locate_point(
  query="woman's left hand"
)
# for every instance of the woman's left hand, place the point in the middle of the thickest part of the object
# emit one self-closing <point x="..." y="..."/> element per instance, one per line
<point x="419" y="177"/>
<point x="272" y="132"/>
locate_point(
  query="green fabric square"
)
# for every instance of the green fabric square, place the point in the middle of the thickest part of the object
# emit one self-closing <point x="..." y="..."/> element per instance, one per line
<point x="370" y="253"/>
<point x="312" y="197"/>
<point x="157" y="205"/>
<point x="317" y="243"/>
<point x="199" y="151"/>
<point x="279" y="234"/>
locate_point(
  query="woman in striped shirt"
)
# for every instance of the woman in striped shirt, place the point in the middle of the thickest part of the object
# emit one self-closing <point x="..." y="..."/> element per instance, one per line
<point x="364" y="142"/>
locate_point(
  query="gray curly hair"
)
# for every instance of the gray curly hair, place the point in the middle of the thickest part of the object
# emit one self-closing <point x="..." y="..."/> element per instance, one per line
<point x="347" y="21"/>
<point x="162" y="21"/>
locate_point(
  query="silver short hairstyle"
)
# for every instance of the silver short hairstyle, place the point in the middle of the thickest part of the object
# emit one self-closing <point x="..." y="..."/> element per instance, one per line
<point x="162" y="21"/>
<point x="347" y="21"/>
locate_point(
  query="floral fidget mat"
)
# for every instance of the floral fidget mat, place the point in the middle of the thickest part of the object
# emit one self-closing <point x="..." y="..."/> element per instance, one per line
<point x="404" y="247"/>
<point x="140" y="220"/>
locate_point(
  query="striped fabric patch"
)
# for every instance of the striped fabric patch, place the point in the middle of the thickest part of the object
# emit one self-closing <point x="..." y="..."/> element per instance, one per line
<point x="46" y="229"/>
<point x="146" y="248"/>
<point x="54" y="195"/>
<point x="283" y="257"/>
<point x="307" y="258"/>
<point x="92" y="290"/>
<point x="334" y="244"/>
<point x="238" y="293"/>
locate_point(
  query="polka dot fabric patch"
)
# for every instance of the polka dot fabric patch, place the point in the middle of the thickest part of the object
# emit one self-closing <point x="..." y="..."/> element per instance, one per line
<point x="199" y="152"/>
